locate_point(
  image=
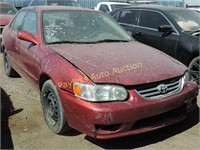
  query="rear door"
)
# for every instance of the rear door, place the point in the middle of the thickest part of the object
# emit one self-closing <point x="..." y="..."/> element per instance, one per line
<point x="147" y="32"/>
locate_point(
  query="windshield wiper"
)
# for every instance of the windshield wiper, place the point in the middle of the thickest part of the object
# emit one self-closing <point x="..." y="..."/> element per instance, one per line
<point x="61" y="42"/>
<point x="100" y="41"/>
<point x="110" y="40"/>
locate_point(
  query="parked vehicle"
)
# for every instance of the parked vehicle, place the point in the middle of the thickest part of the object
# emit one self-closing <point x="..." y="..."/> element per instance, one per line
<point x="195" y="9"/>
<point x="92" y="76"/>
<point x="7" y="12"/>
<point x="173" y="30"/>
<point x="107" y="7"/>
<point x="50" y="2"/>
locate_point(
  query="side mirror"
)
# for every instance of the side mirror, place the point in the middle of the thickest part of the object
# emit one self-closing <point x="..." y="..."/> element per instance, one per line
<point x="27" y="37"/>
<point x="165" y="28"/>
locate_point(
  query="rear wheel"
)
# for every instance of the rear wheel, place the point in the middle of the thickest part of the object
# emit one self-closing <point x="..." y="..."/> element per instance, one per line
<point x="9" y="71"/>
<point x="53" y="109"/>
<point x="194" y="69"/>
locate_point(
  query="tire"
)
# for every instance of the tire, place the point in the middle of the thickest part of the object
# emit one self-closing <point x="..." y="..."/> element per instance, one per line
<point x="52" y="109"/>
<point x="194" y="69"/>
<point x="9" y="71"/>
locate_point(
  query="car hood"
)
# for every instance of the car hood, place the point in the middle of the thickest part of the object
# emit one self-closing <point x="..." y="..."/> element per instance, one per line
<point x="5" y="19"/>
<point x="129" y="63"/>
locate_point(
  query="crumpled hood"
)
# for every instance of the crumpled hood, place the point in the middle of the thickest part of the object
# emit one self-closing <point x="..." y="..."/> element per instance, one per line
<point x="130" y="63"/>
<point x="5" y="19"/>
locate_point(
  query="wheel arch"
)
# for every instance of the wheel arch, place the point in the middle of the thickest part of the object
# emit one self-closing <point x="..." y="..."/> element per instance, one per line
<point x="196" y="54"/>
<point x="42" y="80"/>
<point x="2" y="48"/>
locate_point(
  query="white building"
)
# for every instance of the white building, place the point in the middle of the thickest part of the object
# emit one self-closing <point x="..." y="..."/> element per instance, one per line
<point x="191" y="2"/>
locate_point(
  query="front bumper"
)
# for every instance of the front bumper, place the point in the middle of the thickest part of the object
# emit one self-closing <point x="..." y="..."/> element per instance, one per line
<point x="136" y="115"/>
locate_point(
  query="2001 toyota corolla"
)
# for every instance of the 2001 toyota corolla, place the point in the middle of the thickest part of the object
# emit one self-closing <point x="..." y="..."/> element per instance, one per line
<point x="92" y="76"/>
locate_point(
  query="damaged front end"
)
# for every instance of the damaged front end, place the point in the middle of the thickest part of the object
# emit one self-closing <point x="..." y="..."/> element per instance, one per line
<point x="134" y="115"/>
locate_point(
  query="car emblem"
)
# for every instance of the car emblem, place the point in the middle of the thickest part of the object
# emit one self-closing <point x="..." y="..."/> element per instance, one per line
<point x="162" y="88"/>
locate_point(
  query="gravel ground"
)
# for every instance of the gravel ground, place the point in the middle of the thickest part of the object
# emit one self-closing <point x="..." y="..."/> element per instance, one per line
<point x="23" y="126"/>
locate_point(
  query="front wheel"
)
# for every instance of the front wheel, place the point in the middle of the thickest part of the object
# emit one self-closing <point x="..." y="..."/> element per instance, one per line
<point x="194" y="69"/>
<point x="52" y="108"/>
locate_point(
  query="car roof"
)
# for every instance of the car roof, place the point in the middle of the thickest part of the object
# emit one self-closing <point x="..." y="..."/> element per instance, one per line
<point x="46" y="8"/>
<point x="155" y="7"/>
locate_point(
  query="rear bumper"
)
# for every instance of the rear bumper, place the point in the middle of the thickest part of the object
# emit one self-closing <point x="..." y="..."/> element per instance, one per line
<point x="136" y="115"/>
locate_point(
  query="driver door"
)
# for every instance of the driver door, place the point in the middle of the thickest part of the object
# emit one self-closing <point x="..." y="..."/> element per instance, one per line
<point x="27" y="49"/>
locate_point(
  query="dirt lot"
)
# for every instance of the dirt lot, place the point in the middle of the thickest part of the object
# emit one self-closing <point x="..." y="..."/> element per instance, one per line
<point x="23" y="126"/>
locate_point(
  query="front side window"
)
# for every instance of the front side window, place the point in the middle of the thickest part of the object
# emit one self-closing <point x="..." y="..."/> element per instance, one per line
<point x="151" y="19"/>
<point x="17" y="21"/>
<point x="30" y="23"/>
<point x="128" y="17"/>
<point x="80" y="26"/>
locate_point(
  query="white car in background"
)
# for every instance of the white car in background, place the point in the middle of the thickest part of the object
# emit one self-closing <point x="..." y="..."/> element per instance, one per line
<point x="110" y="6"/>
<point x="196" y="9"/>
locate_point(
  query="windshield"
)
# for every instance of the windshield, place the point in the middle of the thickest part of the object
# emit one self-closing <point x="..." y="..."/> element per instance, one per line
<point x="80" y="26"/>
<point x="7" y="9"/>
<point x="188" y="20"/>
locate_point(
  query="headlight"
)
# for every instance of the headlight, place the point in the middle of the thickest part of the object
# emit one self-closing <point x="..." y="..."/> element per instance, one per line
<point x="186" y="78"/>
<point x="100" y="93"/>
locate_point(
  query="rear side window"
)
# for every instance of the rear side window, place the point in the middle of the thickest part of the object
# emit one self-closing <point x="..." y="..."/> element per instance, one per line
<point x="128" y="17"/>
<point x="17" y="22"/>
<point x="152" y="19"/>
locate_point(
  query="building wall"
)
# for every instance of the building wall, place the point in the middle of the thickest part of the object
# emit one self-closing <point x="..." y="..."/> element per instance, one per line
<point x="83" y="3"/>
<point x="192" y="2"/>
<point x="90" y="3"/>
<point x="179" y="3"/>
<point x="176" y="3"/>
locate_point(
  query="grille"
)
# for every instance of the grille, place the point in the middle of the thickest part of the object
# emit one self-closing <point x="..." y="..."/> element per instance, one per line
<point x="162" y="89"/>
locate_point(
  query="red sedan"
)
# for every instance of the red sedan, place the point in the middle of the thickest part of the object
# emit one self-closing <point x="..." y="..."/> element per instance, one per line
<point x="7" y="11"/>
<point x="92" y="76"/>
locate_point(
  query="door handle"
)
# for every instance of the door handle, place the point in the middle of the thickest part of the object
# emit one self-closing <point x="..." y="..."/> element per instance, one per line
<point x="139" y="33"/>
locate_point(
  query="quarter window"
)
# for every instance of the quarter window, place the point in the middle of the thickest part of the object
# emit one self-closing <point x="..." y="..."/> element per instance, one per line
<point x="17" y="22"/>
<point x="128" y="17"/>
<point x="152" y="19"/>
<point x="104" y="8"/>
